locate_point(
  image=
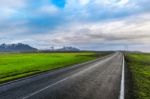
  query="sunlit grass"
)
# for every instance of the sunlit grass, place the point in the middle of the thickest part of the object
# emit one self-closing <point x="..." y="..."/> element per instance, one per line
<point x="17" y="65"/>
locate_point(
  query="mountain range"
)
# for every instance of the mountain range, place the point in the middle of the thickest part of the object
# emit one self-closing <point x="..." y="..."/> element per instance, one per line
<point x="68" y="49"/>
<point x="19" y="47"/>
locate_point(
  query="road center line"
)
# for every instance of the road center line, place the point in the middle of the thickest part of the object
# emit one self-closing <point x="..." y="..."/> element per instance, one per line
<point x="44" y="88"/>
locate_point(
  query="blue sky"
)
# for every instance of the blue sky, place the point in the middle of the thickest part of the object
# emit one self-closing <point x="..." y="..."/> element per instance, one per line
<point x="87" y="24"/>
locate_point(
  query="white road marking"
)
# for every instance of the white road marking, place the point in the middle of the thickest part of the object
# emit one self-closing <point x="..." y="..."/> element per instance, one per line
<point x="122" y="81"/>
<point x="44" y="88"/>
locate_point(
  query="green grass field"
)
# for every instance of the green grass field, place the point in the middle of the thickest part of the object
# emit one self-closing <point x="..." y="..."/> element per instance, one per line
<point x="139" y="66"/>
<point x="18" y="65"/>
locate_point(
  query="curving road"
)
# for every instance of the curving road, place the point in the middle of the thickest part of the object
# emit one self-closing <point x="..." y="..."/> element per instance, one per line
<point x="98" y="79"/>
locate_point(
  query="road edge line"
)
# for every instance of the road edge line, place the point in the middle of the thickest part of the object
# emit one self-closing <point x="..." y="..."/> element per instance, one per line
<point x="122" y="90"/>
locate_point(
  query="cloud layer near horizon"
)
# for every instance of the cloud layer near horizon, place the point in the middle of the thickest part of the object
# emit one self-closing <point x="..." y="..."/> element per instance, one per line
<point x="87" y="24"/>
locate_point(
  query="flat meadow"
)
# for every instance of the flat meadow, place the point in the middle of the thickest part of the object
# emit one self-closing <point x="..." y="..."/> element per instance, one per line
<point x="18" y="65"/>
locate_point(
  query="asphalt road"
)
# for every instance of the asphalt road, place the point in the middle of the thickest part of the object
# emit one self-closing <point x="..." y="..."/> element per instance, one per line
<point x="98" y="79"/>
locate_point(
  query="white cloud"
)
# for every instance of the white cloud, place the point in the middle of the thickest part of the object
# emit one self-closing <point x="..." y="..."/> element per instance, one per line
<point x="10" y="7"/>
<point x="12" y="4"/>
<point x="83" y="2"/>
<point x="48" y="9"/>
<point x="85" y="23"/>
<point x="127" y="31"/>
<point x="123" y="2"/>
<point x="133" y="31"/>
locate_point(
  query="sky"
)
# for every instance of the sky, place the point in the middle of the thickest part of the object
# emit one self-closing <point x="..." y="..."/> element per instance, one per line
<point x="85" y="24"/>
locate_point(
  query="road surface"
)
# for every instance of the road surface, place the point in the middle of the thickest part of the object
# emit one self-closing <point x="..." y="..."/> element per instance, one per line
<point x="98" y="79"/>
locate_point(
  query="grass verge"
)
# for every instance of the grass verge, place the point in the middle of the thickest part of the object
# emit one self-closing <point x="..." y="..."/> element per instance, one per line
<point x="138" y="69"/>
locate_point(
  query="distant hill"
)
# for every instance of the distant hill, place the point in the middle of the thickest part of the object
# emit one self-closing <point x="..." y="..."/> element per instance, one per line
<point x="16" y="48"/>
<point x="68" y="49"/>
